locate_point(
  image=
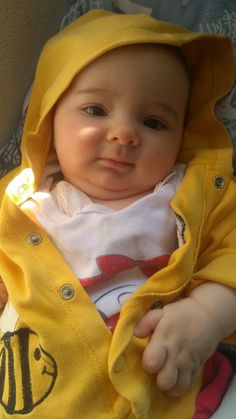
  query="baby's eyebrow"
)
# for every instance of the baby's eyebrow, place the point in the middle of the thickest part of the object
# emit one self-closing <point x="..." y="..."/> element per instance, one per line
<point x="91" y="90"/>
<point x="167" y="108"/>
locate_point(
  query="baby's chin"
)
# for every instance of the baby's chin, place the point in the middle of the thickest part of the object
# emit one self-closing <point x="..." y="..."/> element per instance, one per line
<point x="112" y="193"/>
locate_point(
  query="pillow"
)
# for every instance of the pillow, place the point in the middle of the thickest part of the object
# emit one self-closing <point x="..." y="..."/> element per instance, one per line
<point x="197" y="15"/>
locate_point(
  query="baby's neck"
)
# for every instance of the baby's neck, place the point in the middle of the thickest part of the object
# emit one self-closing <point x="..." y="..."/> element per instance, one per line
<point x="119" y="204"/>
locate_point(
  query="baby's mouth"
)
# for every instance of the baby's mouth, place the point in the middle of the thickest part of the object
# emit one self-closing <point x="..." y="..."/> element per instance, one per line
<point x="116" y="161"/>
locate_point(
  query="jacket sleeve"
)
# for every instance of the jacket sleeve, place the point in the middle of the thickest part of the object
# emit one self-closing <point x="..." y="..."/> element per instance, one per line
<point x="217" y="248"/>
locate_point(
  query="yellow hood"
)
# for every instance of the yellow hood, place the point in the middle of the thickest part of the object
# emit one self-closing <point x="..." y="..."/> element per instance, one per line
<point x="209" y="58"/>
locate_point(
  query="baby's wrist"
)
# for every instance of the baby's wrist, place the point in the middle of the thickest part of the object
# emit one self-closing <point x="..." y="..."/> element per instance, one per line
<point x="210" y="296"/>
<point x="216" y="328"/>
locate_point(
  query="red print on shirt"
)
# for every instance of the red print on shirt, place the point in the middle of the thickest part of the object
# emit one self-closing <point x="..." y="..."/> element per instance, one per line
<point x="110" y="265"/>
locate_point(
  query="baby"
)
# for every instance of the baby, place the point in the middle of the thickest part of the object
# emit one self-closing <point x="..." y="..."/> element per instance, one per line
<point x="117" y="134"/>
<point x="138" y="205"/>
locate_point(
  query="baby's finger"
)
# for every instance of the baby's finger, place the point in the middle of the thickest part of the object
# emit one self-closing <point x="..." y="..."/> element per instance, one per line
<point x="154" y="357"/>
<point x="182" y="384"/>
<point x="148" y="323"/>
<point x="167" y="377"/>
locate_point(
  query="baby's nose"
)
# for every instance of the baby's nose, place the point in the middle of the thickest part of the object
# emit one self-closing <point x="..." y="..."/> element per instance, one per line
<point x="125" y="133"/>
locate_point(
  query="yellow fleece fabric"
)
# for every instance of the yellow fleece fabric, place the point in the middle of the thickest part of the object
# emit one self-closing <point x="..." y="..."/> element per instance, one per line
<point x="60" y="360"/>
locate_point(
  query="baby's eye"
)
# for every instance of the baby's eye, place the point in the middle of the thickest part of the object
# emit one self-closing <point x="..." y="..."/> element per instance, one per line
<point x="95" y="110"/>
<point x="154" y="123"/>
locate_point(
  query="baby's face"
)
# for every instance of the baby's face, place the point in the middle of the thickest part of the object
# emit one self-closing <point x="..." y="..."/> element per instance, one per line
<point x="119" y="127"/>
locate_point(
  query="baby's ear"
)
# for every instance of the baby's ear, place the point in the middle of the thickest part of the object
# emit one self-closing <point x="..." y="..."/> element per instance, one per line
<point x="3" y="295"/>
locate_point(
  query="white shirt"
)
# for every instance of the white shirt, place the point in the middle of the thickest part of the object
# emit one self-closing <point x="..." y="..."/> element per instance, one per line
<point x="111" y="252"/>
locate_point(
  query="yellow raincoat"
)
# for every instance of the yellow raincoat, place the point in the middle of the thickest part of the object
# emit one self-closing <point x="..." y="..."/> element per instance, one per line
<point x="57" y="357"/>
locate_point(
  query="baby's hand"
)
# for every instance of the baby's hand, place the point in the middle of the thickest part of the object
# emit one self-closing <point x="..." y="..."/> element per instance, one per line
<point x="3" y="295"/>
<point x="184" y="336"/>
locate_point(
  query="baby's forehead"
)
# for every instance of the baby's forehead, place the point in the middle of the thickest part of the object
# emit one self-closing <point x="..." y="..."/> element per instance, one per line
<point x="141" y="54"/>
<point x="139" y="77"/>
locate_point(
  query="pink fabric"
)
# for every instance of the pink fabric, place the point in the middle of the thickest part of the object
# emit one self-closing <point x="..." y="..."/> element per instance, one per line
<point x="217" y="376"/>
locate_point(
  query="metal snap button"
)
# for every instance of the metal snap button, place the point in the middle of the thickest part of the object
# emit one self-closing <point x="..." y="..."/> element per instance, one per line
<point x="219" y="182"/>
<point x="34" y="239"/>
<point x="67" y="292"/>
<point x="157" y="304"/>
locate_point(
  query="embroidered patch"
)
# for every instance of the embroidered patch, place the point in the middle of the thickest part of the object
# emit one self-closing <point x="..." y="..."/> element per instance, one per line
<point x="27" y="372"/>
